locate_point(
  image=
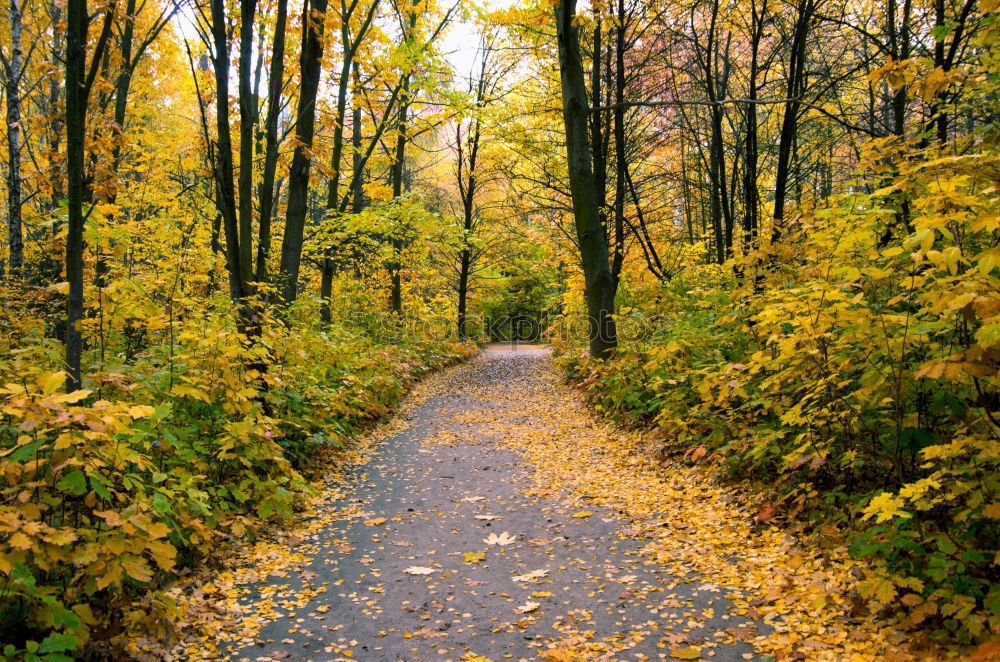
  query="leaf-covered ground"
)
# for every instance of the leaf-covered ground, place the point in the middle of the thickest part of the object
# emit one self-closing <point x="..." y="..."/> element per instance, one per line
<point x="495" y="518"/>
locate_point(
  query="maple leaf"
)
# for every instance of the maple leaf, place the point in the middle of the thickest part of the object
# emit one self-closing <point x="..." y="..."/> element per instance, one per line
<point x="557" y="655"/>
<point x="531" y="576"/>
<point x="487" y="518"/>
<point x="20" y="541"/>
<point x="502" y="539"/>
<point x="689" y="653"/>
<point x="419" y="570"/>
<point x="474" y="557"/>
<point x="527" y="607"/>
<point x="885" y="507"/>
<point x="375" y="521"/>
<point x="583" y="514"/>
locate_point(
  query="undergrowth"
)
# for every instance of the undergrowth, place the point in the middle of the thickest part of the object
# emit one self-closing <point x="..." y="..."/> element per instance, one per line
<point x="850" y="371"/>
<point x="185" y="439"/>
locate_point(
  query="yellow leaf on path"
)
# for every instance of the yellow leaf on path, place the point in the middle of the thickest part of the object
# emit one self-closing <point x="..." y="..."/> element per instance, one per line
<point x="375" y="521"/>
<point x="502" y="539"/>
<point x="688" y="653"/>
<point x="419" y="570"/>
<point x="474" y="557"/>
<point x="527" y="607"/>
<point x="583" y="514"/>
<point x="557" y="655"/>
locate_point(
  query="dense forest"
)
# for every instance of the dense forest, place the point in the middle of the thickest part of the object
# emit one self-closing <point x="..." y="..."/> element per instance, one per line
<point x="763" y="234"/>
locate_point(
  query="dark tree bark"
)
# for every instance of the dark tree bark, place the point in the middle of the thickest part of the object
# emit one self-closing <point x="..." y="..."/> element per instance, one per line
<point x="248" y="106"/>
<point x="600" y="290"/>
<point x="12" y="72"/>
<point x="716" y="85"/>
<point x="794" y="87"/>
<point x="397" y="174"/>
<point x="225" y="191"/>
<point x="298" y="177"/>
<point x="79" y="81"/>
<point x="599" y="121"/>
<point x="751" y="195"/>
<point x="266" y="194"/>
<point x="76" y="114"/>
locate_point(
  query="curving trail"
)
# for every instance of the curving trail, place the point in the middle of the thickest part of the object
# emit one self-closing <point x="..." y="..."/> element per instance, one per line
<point x="496" y="519"/>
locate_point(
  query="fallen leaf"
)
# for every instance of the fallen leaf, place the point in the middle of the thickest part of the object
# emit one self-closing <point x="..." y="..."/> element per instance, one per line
<point x="583" y="514"/>
<point x="502" y="539"/>
<point x="474" y="557"/>
<point x="419" y="570"/>
<point x="527" y="607"/>
<point x="375" y="521"/>
<point x="531" y="576"/>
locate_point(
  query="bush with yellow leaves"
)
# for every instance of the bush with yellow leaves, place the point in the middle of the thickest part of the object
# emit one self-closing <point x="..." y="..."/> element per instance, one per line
<point x="188" y="439"/>
<point x="854" y="370"/>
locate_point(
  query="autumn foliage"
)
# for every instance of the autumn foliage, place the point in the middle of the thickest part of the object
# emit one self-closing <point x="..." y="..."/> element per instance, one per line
<point x="110" y="491"/>
<point x="852" y="369"/>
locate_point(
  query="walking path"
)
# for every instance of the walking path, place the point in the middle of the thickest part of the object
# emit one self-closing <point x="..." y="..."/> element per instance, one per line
<point x="495" y="519"/>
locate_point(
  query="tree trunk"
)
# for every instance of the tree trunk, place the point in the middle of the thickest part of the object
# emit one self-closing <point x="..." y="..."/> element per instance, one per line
<point x="751" y="196"/>
<point x="599" y="284"/>
<point x="76" y="117"/>
<point x="398" y="165"/>
<point x="248" y="106"/>
<point x="298" y="177"/>
<point x="599" y="139"/>
<point x="225" y="193"/>
<point x="267" y="189"/>
<point x="12" y="80"/>
<point x="464" y="267"/>
<point x="790" y="118"/>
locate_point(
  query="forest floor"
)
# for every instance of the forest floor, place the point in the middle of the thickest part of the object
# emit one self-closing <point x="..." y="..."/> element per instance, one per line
<point x="495" y="517"/>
